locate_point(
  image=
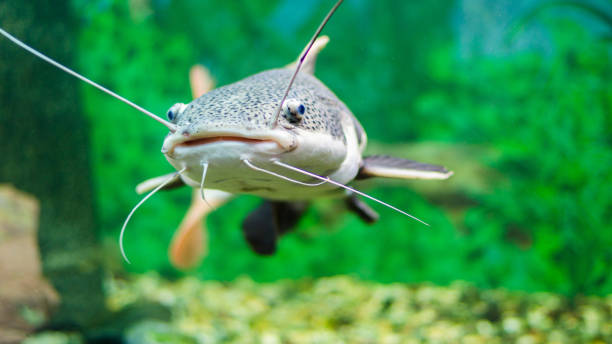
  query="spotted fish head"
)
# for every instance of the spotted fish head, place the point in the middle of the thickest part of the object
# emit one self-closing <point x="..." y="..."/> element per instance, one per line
<point x="235" y="122"/>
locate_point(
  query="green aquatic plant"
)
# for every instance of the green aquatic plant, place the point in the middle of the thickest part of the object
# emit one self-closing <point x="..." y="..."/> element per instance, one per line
<point x="591" y="10"/>
<point x="538" y="224"/>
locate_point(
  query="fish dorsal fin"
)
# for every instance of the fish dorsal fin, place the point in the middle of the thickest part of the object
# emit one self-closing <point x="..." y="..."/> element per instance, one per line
<point x="311" y="59"/>
<point x="391" y="167"/>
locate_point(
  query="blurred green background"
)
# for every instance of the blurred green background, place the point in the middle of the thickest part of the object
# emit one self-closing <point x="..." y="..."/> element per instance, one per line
<point x="514" y="96"/>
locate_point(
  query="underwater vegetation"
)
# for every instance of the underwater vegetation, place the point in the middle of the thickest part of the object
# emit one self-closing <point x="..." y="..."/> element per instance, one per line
<point x="514" y="97"/>
<point x="539" y="223"/>
<point x="343" y="309"/>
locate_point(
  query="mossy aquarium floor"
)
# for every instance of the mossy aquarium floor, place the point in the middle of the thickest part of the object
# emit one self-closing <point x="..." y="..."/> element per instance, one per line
<point x="343" y="309"/>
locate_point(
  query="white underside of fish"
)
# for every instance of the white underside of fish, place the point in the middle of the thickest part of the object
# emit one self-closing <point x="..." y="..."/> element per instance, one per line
<point x="227" y="171"/>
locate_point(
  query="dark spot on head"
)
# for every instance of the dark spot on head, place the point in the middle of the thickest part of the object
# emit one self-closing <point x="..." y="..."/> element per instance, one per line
<point x="185" y="133"/>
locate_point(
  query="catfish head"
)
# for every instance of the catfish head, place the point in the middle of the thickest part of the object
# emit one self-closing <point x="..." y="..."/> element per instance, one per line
<point x="230" y="129"/>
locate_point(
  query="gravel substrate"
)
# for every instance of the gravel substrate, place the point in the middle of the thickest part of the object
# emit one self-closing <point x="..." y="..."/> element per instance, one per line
<point x="346" y="310"/>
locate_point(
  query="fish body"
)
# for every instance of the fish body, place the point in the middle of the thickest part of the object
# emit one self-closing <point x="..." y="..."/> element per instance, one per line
<point x="286" y="141"/>
<point x="228" y="140"/>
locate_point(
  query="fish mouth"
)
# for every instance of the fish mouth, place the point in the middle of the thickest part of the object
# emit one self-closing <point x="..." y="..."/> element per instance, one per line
<point x="207" y="140"/>
<point x="285" y="142"/>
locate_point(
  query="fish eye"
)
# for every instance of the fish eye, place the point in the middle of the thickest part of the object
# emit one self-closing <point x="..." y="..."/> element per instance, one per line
<point x="170" y="115"/>
<point x="175" y="110"/>
<point x="294" y="110"/>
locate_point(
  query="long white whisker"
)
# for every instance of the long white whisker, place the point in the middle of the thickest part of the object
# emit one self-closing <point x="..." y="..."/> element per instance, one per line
<point x="168" y="180"/>
<point x="250" y="164"/>
<point x="40" y="55"/>
<point x="327" y="179"/>
<point x="204" y="170"/>
<point x="301" y="60"/>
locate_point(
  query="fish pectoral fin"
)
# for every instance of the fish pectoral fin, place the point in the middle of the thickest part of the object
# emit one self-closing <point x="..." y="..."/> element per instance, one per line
<point x="152" y="183"/>
<point x="359" y="207"/>
<point x="190" y="241"/>
<point x="271" y="219"/>
<point x="287" y="214"/>
<point x="308" y="66"/>
<point x="391" y="167"/>
<point x="259" y="229"/>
